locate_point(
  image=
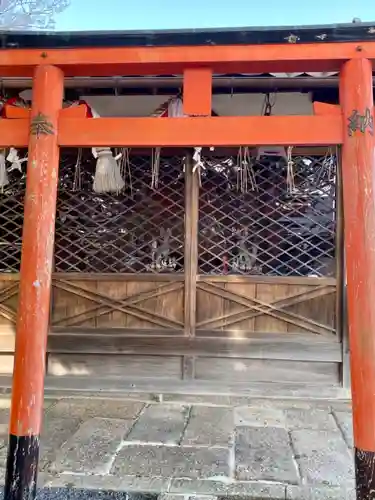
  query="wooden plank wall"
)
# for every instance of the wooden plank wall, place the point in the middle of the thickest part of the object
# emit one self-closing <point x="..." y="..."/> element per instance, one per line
<point x="267" y="304"/>
<point x="118" y="301"/>
<point x="129" y="329"/>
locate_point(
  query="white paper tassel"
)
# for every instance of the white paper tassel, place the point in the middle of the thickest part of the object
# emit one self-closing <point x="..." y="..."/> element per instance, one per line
<point x="108" y="177"/>
<point x="4" y="181"/>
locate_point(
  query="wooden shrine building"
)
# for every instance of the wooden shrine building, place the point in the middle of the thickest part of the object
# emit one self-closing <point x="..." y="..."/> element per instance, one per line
<point x="175" y="209"/>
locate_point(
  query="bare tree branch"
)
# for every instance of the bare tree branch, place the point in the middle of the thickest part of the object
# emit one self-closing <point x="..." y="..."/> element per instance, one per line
<point x="30" y="14"/>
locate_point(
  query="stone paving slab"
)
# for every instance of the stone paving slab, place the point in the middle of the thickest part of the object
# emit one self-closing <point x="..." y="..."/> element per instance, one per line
<point x="312" y="418"/>
<point x="209" y="426"/>
<point x="251" y="489"/>
<point x="264" y="454"/>
<point x="284" y="404"/>
<point x="232" y="401"/>
<point x="3" y="450"/>
<point x="323" y="456"/>
<point x="259" y="416"/>
<point x="110" y="482"/>
<point x="345" y="422"/>
<point x="320" y="493"/>
<point x="90" y="408"/>
<point x="5" y="404"/>
<point x="92" y="448"/>
<point x="160" y="424"/>
<point x="172" y="496"/>
<point x="55" y="432"/>
<point x="4" y="423"/>
<point x="259" y="449"/>
<point x="171" y="461"/>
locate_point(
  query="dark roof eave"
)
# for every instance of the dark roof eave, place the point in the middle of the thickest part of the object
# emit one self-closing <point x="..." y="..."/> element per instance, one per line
<point x="353" y="32"/>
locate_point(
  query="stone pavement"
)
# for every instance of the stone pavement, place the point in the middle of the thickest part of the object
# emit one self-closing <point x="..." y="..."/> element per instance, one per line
<point x="259" y="449"/>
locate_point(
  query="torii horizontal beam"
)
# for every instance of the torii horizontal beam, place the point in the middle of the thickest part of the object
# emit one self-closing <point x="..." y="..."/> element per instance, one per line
<point x="204" y="131"/>
<point x="166" y="60"/>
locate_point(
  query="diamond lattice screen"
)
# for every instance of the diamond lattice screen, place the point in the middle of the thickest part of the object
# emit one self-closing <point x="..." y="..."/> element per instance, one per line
<point x="138" y="230"/>
<point x="11" y="221"/>
<point x="268" y="223"/>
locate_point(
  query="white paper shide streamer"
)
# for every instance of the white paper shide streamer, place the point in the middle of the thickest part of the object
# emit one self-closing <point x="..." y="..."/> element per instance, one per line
<point x="15" y="161"/>
<point x="15" y="164"/>
<point x="198" y="164"/>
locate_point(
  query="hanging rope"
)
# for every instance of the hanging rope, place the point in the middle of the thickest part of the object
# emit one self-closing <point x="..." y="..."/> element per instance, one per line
<point x="125" y="168"/>
<point x="164" y="110"/>
<point x="155" y="167"/>
<point x="245" y="171"/>
<point x="77" y="186"/>
<point x="290" y="172"/>
<point x="268" y="104"/>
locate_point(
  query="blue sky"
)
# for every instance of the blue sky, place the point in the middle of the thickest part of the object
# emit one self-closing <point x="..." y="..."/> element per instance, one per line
<point x="174" y="14"/>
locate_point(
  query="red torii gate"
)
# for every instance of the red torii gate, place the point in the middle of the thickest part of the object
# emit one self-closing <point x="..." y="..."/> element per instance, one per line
<point x="48" y="127"/>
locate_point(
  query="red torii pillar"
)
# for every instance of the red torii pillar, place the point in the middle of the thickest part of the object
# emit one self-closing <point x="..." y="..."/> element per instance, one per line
<point x="358" y="168"/>
<point x="35" y="286"/>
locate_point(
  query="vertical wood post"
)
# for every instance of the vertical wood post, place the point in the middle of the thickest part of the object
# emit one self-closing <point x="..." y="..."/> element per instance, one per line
<point x="191" y="245"/>
<point x="191" y="259"/>
<point x="358" y="168"/>
<point x="197" y="100"/>
<point x="35" y="286"/>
